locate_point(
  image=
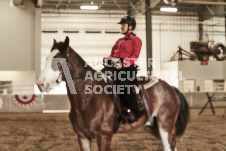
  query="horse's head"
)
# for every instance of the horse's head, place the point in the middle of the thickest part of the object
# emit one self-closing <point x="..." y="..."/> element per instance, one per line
<point x="52" y="72"/>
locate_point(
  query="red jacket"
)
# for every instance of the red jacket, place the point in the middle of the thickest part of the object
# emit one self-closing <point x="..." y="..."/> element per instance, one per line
<point x="127" y="47"/>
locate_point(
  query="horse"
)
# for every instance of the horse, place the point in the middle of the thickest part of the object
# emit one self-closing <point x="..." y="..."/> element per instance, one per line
<point x="94" y="116"/>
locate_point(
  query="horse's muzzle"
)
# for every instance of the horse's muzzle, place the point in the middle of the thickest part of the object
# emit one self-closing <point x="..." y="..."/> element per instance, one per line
<point x="44" y="88"/>
<point x="40" y="87"/>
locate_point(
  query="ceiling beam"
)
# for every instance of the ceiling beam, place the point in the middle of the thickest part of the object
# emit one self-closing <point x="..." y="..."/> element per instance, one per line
<point x="201" y="2"/>
<point x="17" y="2"/>
<point x="138" y="8"/>
<point x="40" y="3"/>
<point x="78" y="7"/>
<point x="154" y="3"/>
<point x="117" y="4"/>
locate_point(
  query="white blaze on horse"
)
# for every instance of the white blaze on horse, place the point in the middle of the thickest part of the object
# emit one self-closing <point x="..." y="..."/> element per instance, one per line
<point x="94" y="116"/>
<point x="48" y="76"/>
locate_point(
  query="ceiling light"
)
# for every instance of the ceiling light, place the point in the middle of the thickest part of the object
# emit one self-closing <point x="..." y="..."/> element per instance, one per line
<point x="168" y="9"/>
<point x="93" y="7"/>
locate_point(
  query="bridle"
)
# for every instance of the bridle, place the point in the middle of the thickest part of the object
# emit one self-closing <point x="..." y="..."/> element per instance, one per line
<point x="73" y="78"/>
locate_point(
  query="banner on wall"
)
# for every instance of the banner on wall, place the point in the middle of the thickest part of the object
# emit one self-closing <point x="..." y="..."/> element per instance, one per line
<point x="204" y="62"/>
<point x="24" y="100"/>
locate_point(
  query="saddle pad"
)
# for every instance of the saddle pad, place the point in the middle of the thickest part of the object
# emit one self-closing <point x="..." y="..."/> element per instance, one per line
<point x="152" y="82"/>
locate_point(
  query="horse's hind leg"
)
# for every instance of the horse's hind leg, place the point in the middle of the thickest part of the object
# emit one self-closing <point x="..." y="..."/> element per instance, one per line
<point x="85" y="143"/>
<point x="172" y="142"/>
<point x="168" y="140"/>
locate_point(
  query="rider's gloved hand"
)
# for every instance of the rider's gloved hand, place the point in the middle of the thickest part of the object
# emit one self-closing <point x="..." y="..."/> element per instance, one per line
<point x="118" y="66"/>
<point x="104" y="60"/>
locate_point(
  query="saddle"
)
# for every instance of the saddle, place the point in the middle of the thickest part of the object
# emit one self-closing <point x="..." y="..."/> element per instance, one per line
<point x="141" y="100"/>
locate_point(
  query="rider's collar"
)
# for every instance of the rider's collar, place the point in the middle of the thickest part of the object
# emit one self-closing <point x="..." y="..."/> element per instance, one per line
<point x="129" y="35"/>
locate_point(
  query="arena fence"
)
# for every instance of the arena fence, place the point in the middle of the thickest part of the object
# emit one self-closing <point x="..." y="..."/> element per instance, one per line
<point x="12" y="103"/>
<point x="34" y="103"/>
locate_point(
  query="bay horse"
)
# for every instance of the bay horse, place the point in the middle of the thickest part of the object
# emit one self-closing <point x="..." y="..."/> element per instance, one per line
<point x="94" y="116"/>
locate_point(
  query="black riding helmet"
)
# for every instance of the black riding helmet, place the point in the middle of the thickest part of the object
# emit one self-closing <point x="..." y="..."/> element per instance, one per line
<point x="128" y="20"/>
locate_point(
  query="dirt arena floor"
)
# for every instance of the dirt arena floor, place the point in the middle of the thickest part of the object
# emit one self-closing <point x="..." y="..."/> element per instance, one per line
<point x="53" y="132"/>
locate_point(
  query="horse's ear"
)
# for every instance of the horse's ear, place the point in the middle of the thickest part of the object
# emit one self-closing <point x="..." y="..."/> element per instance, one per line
<point x="54" y="44"/>
<point x="66" y="42"/>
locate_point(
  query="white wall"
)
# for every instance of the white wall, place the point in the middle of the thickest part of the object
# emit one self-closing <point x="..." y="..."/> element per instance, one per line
<point x="170" y="73"/>
<point x="194" y="70"/>
<point x="171" y="31"/>
<point x="92" y="47"/>
<point x="22" y="81"/>
<point x="17" y="37"/>
<point x="168" y="33"/>
<point x="20" y="36"/>
<point x="20" y="31"/>
<point x="215" y="70"/>
<point x="215" y="29"/>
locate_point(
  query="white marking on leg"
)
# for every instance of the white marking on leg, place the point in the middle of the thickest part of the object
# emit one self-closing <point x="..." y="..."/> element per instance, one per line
<point x="154" y="113"/>
<point x="164" y="137"/>
<point x="86" y="144"/>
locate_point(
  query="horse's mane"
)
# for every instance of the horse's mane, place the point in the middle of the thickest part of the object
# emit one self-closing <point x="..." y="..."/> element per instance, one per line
<point x="61" y="47"/>
<point x="82" y="61"/>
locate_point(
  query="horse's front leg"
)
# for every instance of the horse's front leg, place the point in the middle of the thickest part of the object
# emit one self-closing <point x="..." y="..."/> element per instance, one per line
<point x="104" y="142"/>
<point x="85" y="143"/>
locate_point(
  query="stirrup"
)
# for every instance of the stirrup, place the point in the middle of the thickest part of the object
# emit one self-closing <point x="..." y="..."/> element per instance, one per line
<point x="148" y="126"/>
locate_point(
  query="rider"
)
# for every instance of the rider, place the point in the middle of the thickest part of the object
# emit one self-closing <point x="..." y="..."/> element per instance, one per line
<point x="127" y="50"/>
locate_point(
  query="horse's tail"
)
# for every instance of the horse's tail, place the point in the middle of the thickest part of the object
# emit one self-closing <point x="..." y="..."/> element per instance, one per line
<point x="183" y="115"/>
